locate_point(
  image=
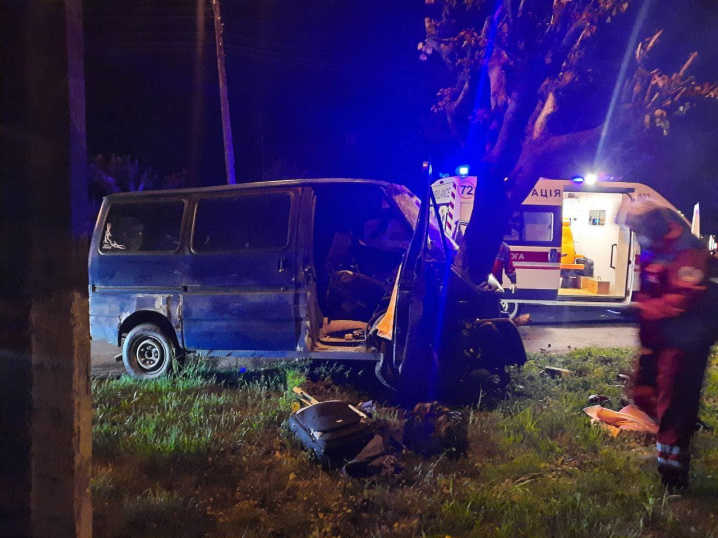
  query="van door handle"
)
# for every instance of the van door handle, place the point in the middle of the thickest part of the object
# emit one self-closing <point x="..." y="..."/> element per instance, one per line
<point x="613" y="247"/>
<point x="553" y="255"/>
<point x="282" y="264"/>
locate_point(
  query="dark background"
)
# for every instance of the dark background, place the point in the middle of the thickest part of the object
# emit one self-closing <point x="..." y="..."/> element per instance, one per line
<point x="329" y="88"/>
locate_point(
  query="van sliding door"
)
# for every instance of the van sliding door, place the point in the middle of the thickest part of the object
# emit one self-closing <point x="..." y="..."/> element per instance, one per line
<point x="240" y="287"/>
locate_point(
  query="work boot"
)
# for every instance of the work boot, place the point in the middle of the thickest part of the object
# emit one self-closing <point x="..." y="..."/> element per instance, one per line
<point x="675" y="480"/>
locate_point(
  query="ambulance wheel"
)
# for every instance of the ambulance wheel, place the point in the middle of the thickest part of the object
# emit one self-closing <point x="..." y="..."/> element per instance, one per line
<point x="147" y="352"/>
<point x="509" y="309"/>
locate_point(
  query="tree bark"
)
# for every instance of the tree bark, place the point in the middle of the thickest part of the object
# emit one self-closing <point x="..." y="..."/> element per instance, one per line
<point x="486" y="227"/>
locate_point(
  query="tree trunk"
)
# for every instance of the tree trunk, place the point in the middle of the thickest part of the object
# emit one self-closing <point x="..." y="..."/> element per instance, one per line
<point x="486" y="228"/>
<point x="223" y="97"/>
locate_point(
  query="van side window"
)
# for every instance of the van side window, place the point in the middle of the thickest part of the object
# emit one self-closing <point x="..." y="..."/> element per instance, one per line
<point x="143" y="227"/>
<point x="246" y="222"/>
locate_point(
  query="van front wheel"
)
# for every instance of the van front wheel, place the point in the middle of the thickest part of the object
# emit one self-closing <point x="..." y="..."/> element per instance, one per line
<point x="147" y="352"/>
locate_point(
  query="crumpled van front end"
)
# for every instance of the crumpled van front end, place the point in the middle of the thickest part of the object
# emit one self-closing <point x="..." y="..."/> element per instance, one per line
<point x="444" y="328"/>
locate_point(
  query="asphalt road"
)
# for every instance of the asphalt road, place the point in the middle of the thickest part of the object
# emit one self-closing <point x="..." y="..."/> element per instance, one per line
<point x="552" y="330"/>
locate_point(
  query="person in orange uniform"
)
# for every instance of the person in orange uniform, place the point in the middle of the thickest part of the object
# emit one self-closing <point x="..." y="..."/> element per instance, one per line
<point x="503" y="264"/>
<point x="676" y="332"/>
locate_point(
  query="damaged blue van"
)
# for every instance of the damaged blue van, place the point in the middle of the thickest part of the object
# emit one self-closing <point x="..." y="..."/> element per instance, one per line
<point x="340" y="269"/>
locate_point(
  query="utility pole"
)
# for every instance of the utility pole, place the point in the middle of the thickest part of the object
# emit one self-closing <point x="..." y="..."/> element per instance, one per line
<point x="223" y="98"/>
<point x="197" y="131"/>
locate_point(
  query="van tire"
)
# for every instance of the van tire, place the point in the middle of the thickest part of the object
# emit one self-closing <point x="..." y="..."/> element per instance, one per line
<point x="147" y="352"/>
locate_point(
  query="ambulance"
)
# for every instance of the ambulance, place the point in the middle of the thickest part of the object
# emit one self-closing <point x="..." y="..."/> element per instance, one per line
<point x="565" y="244"/>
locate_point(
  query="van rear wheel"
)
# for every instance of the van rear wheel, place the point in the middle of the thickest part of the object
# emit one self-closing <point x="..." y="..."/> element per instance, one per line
<point x="147" y="352"/>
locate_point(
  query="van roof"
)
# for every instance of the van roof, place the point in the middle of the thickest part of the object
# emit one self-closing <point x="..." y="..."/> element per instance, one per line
<point x="246" y="186"/>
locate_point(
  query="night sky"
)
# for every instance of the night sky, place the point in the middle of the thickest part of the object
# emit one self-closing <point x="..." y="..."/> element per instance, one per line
<point x="327" y="88"/>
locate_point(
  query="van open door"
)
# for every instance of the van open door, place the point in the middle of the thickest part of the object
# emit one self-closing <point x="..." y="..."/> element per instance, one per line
<point x="413" y="328"/>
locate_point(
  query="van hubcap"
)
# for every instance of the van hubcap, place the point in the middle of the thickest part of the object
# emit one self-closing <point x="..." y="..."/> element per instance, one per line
<point x="150" y="354"/>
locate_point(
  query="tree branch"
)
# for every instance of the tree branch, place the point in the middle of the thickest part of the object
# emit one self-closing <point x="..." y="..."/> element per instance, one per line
<point x="549" y="107"/>
<point x="551" y="156"/>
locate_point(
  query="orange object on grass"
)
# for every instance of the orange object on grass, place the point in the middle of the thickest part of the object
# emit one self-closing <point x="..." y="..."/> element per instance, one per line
<point x="629" y="418"/>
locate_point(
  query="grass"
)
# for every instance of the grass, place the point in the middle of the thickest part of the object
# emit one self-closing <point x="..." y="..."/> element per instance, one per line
<point x="207" y="454"/>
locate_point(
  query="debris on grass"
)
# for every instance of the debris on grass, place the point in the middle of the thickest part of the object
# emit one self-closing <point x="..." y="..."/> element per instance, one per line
<point x="598" y="399"/>
<point x="432" y="429"/>
<point x="629" y="418"/>
<point x="553" y="371"/>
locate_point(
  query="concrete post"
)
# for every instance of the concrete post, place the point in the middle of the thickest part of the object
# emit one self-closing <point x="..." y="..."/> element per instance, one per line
<point x="45" y="404"/>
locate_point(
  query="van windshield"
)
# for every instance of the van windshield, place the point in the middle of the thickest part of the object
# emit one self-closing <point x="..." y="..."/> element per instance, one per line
<point x="409" y="205"/>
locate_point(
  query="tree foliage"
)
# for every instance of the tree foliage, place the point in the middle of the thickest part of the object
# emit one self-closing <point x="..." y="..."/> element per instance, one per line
<point x="541" y="87"/>
<point x="123" y="173"/>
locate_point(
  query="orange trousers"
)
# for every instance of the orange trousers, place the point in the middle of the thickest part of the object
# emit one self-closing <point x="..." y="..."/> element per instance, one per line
<point x="667" y="386"/>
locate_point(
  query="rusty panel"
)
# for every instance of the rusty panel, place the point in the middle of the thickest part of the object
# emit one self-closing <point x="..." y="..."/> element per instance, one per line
<point x="110" y="307"/>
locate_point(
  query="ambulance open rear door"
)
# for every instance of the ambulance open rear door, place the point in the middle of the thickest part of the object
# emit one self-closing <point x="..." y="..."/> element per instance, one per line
<point x="534" y="236"/>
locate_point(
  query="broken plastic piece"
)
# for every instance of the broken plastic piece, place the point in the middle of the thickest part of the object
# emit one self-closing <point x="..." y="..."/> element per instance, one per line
<point x="553" y="371"/>
<point x="368" y="407"/>
<point x="598" y="399"/>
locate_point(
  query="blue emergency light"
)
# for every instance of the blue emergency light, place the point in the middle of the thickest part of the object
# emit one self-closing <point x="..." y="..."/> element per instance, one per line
<point x="462" y="170"/>
<point x="578" y="179"/>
